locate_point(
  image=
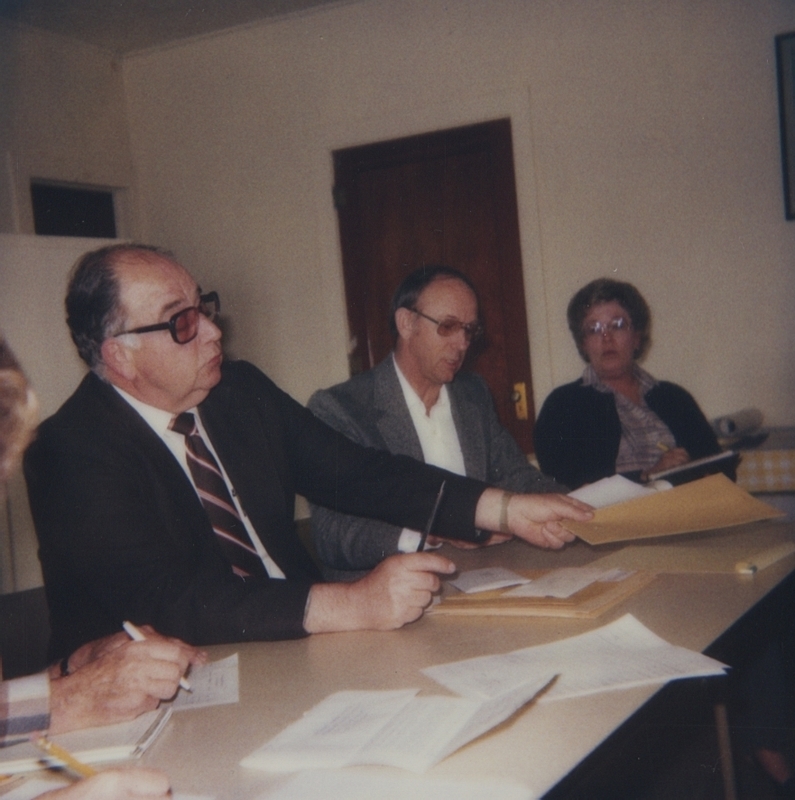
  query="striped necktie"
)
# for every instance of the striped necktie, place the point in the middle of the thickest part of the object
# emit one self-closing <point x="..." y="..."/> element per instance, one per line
<point x="214" y="494"/>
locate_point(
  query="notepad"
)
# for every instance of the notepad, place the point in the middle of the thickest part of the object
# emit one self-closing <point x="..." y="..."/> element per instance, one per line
<point x="573" y="592"/>
<point x="91" y="746"/>
<point x="391" y="728"/>
<point x="213" y="684"/>
<point x="698" y="468"/>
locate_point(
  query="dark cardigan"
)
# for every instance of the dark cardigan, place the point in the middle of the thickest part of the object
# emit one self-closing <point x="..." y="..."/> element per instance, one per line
<point x="578" y="430"/>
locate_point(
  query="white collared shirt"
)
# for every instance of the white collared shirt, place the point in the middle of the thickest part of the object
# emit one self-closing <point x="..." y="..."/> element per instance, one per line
<point x="438" y="440"/>
<point x="159" y="421"/>
<point x="435" y="428"/>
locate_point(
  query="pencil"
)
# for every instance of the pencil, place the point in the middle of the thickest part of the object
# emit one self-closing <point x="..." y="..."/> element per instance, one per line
<point x="54" y="750"/>
<point x="136" y="635"/>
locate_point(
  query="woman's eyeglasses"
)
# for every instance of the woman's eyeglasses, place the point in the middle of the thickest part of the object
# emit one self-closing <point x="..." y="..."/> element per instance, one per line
<point x="603" y="328"/>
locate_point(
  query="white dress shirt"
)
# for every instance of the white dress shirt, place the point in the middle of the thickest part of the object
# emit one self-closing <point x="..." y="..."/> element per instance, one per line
<point x="438" y="440"/>
<point x="159" y="421"/>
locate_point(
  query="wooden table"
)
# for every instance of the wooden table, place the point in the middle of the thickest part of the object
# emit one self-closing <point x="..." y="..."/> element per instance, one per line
<point x="281" y="680"/>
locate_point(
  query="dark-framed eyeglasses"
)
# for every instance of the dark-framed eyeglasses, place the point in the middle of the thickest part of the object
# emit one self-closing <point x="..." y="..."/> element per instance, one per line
<point x="449" y="327"/>
<point x="184" y="325"/>
<point x="603" y="328"/>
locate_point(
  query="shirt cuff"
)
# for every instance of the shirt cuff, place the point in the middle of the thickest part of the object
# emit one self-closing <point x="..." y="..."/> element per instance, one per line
<point x="24" y="707"/>
<point x="409" y="541"/>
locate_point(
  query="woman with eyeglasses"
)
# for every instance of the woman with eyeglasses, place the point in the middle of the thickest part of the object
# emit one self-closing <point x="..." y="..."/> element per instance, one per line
<point x="616" y="417"/>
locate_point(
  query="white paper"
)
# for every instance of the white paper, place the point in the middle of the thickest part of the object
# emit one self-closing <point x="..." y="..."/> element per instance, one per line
<point x="413" y="739"/>
<point x="560" y="583"/>
<point x="607" y="491"/>
<point x="365" y="785"/>
<point x="34" y="787"/>
<point x="330" y="732"/>
<point x="91" y="746"/>
<point x="29" y="789"/>
<point x="181" y="796"/>
<point x="390" y="728"/>
<point x="620" y="655"/>
<point x="487" y="579"/>
<point x="214" y="684"/>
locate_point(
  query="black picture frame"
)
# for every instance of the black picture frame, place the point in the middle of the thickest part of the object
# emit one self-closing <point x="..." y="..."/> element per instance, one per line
<point x="785" y="66"/>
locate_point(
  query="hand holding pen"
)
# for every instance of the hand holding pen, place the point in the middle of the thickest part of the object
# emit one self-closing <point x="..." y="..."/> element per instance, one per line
<point x="114" y="679"/>
<point x="432" y="518"/>
<point x="137" y="636"/>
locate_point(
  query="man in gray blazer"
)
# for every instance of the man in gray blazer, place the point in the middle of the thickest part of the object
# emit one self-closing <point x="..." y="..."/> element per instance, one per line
<point x="416" y="402"/>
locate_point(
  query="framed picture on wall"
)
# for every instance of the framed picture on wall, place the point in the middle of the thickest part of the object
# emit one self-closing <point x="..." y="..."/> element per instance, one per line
<point x="785" y="61"/>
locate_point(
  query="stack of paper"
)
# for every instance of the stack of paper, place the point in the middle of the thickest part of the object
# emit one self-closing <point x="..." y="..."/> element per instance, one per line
<point x="574" y="592"/>
<point x="393" y="728"/>
<point x="620" y="655"/>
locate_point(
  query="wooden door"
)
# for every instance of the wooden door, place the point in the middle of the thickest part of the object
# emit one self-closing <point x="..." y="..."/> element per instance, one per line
<point x="440" y="198"/>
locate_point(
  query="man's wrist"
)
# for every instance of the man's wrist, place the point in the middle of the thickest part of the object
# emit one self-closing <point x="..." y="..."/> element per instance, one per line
<point x="487" y="511"/>
<point x="504" y="502"/>
<point x="330" y="607"/>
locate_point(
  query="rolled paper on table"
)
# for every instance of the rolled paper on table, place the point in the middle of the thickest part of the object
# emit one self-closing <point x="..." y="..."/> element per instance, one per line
<point x="765" y="559"/>
<point x="739" y="423"/>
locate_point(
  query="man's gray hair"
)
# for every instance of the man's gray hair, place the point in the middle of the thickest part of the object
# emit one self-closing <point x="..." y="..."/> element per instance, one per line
<point x="93" y="308"/>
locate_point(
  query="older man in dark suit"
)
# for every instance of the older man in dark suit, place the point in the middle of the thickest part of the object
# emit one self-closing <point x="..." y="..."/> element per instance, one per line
<point x="417" y="402"/>
<point x="163" y="490"/>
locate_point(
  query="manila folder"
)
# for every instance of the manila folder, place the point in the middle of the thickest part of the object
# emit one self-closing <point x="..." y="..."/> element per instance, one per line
<point x="702" y="505"/>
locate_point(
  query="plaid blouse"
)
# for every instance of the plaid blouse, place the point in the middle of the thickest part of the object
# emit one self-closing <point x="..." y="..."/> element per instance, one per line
<point x="642" y="431"/>
<point x="24" y="707"/>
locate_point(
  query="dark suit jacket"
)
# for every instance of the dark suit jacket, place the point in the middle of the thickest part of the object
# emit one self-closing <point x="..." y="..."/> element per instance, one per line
<point x="370" y="409"/>
<point x="123" y="535"/>
<point x="578" y="431"/>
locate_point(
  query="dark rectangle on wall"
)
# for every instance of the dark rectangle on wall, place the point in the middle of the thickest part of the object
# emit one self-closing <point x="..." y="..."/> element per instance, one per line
<point x="72" y="211"/>
<point x="785" y="61"/>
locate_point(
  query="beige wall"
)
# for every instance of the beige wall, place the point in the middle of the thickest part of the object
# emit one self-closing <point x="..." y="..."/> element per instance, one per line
<point x="62" y="118"/>
<point x="646" y="146"/>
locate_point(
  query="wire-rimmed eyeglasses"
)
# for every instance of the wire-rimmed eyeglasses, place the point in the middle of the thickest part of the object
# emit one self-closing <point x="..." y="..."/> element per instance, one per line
<point x="184" y="325"/>
<point x="603" y="328"/>
<point x="449" y="327"/>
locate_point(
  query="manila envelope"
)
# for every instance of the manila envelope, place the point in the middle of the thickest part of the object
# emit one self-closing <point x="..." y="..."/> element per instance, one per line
<point x="711" y="502"/>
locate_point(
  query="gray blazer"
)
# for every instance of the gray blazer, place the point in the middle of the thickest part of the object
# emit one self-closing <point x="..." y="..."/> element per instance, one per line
<point x="371" y="410"/>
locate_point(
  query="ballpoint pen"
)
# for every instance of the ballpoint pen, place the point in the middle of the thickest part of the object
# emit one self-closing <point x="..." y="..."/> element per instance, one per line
<point x="136" y="635"/>
<point x="432" y="518"/>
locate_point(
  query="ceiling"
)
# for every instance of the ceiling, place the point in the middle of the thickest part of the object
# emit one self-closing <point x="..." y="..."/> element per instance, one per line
<point x="123" y="26"/>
